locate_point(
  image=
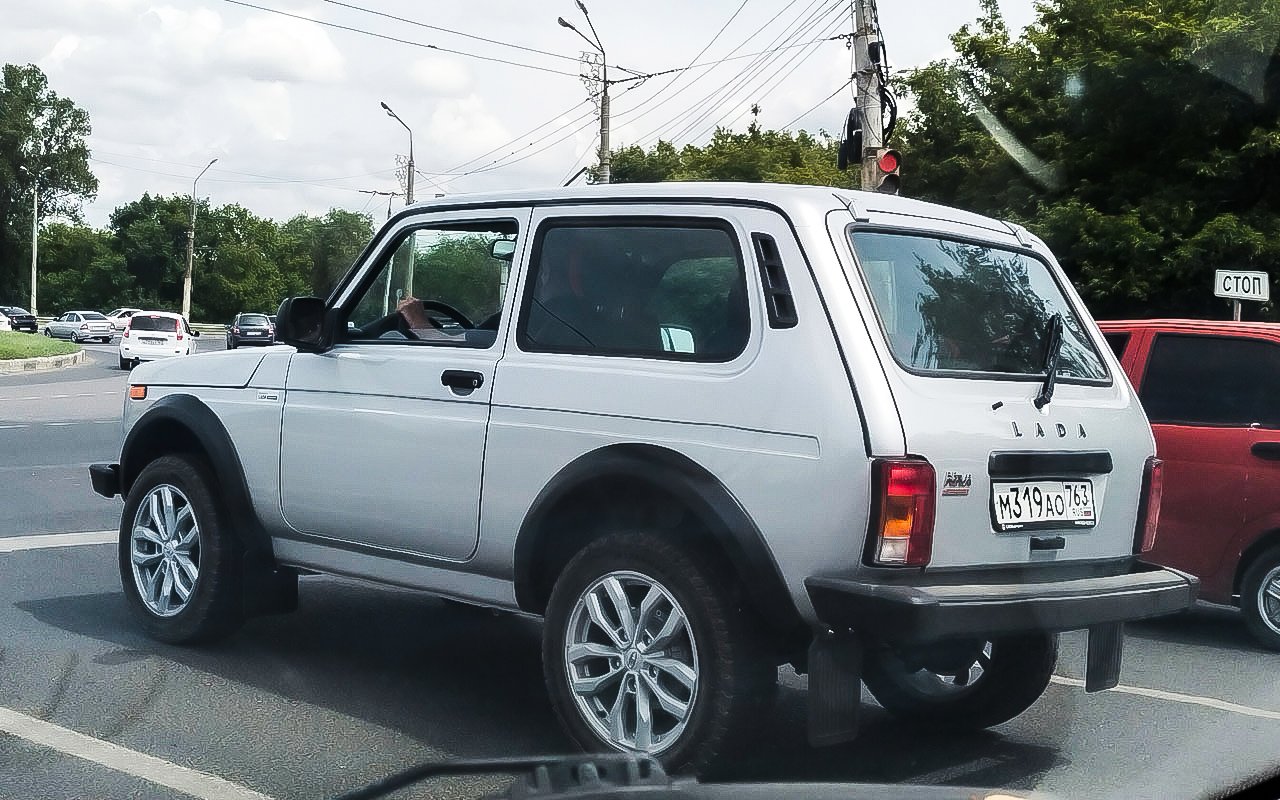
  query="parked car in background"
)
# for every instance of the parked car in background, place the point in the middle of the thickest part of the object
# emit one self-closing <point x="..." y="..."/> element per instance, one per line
<point x="5" y="325"/>
<point x="20" y="319"/>
<point x="81" y="326"/>
<point x="150" y="335"/>
<point x="120" y="317"/>
<point x="250" y="329"/>
<point x="1212" y="393"/>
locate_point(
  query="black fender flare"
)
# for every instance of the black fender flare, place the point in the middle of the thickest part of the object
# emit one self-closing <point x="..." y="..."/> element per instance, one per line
<point x="183" y="415"/>
<point x="712" y="505"/>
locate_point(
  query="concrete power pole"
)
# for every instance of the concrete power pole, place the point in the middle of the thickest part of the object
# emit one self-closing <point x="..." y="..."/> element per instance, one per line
<point x="868" y="50"/>
<point x="590" y="77"/>
<point x="191" y="246"/>
<point x="35" y="238"/>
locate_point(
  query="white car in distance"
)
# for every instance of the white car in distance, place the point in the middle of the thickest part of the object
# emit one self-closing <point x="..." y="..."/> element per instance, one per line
<point x="120" y="317"/>
<point x="150" y="335"/>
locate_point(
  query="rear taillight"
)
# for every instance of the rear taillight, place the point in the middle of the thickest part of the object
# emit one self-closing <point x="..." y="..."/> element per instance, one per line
<point x="903" y="518"/>
<point x="235" y="329"/>
<point x="179" y="335"/>
<point x="1149" y="506"/>
<point x="125" y="335"/>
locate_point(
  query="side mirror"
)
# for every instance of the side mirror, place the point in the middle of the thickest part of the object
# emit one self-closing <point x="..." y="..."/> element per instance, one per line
<point x="503" y="249"/>
<point x="195" y="333"/>
<point x="300" y="322"/>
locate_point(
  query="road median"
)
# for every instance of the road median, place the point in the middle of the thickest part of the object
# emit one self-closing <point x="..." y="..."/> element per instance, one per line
<point x="23" y="352"/>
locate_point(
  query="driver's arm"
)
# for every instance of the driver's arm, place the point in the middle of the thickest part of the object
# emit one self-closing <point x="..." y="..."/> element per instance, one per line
<point x="414" y="315"/>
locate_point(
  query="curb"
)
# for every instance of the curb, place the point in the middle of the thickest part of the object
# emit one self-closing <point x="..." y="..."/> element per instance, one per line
<point x="13" y="366"/>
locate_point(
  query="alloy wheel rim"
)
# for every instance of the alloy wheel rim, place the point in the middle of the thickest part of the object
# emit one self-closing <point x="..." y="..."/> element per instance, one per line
<point x="632" y="662"/>
<point x="164" y="550"/>
<point x="1269" y="599"/>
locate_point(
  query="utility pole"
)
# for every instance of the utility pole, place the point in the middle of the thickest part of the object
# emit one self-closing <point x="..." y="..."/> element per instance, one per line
<point x="191" y="246"/>
<point x="590" y="77"/>
<point x="866" y="133"/>
<point x="35" y="175"/>
<point x="408" y="186"/>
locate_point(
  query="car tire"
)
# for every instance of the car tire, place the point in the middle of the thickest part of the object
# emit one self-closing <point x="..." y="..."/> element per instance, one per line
<point x="213" y="605"/>
<point x="1013" y="672"/>
<point x="716" y="649"/>
<point x="125" y="363"/>
<point x="1260" y="598"/>
<point x="48" y="333"/>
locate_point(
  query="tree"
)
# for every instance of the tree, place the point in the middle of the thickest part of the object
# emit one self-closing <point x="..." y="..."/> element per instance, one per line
<point x="80" y="268"/>
<point x="755" y="155"/>
<point x="1141" y="140"/>
<point x="322" y="249"/>
<point x="42" y="136"/>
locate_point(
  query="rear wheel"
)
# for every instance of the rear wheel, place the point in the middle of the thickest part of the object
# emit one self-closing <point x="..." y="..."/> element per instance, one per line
<point x="1260" y="598"/>
<point x="965" y="685"/>
<point x="124" y="363"/>
<point x="647" y="649"/>
<point x="48" y="333"/>
<point x="179" y="564"/>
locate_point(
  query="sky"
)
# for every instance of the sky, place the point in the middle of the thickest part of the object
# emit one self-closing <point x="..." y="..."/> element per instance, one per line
<point x="290" y="106"/>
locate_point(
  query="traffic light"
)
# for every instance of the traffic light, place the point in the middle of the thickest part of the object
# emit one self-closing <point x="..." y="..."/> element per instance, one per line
<point x="887" y="178"/>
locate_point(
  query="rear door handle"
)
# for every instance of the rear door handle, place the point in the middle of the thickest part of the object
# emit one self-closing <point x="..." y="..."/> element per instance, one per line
<point x="1267" y="450"/>
<point x="463" y="379"/>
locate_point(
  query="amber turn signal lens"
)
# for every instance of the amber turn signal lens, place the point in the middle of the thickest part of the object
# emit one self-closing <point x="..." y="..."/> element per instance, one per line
<point x="137" y="393"/>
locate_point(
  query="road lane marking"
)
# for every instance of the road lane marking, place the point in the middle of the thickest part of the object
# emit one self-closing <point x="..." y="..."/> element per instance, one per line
<point x="189" y="781"/>
<point x="1178" y="697"/>
<point x="41" y="541"/>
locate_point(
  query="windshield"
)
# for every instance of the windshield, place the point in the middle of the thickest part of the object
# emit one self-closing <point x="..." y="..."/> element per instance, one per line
<point x="947" y="306"/>
<point x="142" y="322"/>
<point x="15" y="311"/>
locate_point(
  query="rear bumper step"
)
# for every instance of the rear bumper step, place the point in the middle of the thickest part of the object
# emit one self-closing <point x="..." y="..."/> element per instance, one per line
<point x="923" y="612"/>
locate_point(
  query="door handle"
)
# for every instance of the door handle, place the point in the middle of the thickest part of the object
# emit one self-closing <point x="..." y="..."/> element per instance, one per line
<point x="1268" y="450"/>
<point x="464" y="379"/>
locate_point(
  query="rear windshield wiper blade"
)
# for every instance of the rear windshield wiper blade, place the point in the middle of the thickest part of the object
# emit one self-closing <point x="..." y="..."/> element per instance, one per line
<point x="1053" y="349"/>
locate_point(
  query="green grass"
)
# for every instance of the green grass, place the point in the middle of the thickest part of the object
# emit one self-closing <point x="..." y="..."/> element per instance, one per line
<point x="30" y="345"/>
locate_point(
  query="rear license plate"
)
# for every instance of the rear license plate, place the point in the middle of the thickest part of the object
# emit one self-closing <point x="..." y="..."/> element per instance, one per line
<point x="1042" y="504"/>
<point x="253" y="333"/>
<point x="153" y="341"/>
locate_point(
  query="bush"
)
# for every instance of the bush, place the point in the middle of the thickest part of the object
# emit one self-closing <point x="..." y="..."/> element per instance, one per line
<point x="26" y="345"/>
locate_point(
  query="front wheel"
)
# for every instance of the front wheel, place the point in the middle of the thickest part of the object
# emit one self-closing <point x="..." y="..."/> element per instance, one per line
<point x="647" y="649"/>
<point x="964" y="685"/>
<point x="48" y="333"/>
<point x="1260" y="598"/>
<point x="179" y="564"/>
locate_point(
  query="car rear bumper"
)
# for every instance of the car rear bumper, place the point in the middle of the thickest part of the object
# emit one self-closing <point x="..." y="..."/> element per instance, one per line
<point x="922" y="609"/>
<point x="105" y="479"/>
<point x="150" y="352"/>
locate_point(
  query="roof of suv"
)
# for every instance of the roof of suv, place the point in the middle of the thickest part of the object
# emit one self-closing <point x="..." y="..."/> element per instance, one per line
<point x="1267" y="329"/>
<point x="157" y="314"/>
<point x="780" y="194"/>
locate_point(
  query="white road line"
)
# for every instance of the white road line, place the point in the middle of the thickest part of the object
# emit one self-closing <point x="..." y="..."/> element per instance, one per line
<point x="12" y="427"/>
<point x="41" y="541"/>
<point x="1178" y="697"/>
<point x="121" y="759"/>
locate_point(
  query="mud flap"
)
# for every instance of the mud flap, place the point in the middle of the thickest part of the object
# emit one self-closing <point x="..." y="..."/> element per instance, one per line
<point x="835" y="688"/>
<point x="268" y="589"/>
<point x="1102" y="664"/>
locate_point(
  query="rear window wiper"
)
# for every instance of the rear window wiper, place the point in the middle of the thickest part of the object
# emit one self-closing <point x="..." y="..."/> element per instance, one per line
<point x="1052" y="350"/>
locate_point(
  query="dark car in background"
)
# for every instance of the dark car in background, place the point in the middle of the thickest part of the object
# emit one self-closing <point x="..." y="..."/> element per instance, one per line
<point x="20" y="318"/>
<point x="1212" y="393"/>
<point x="250" y="329"/>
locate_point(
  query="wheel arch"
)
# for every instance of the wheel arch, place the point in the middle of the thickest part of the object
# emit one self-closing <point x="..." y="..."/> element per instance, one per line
<point x="1258" y="546"/>
<point x="181" y="423"/>
<point x="635" y="474"/>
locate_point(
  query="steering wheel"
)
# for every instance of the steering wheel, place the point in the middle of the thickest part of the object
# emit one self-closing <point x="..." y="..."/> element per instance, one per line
<point x="447" y="310"/>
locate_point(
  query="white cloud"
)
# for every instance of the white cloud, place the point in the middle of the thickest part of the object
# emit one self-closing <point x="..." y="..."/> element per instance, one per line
<point x="440" y="75"/>
<point x="274" y="48"/>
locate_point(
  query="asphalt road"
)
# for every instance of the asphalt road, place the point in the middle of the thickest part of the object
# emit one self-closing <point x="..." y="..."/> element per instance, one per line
<point x="364" y="680"/>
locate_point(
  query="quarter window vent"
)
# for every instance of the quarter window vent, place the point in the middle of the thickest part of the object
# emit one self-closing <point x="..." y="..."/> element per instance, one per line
<point x="778" y="301"/>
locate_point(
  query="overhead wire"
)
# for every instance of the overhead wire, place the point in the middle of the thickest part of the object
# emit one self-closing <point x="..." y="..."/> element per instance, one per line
<point x="710" y="100"/>
<point x="722" y="95"/>
<point x="816" y="105"/>
<point x="398" y="40"/>
<point x="763" y="93"/>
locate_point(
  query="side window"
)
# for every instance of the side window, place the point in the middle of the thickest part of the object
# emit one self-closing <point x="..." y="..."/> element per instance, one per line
<point x="647" y="290"/>
<point x="1118" y="342"/>
<point x="1211" y="380"/>
<point x="440" y="285"/>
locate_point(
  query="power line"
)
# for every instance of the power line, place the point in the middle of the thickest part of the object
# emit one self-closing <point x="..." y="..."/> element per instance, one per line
<point x="813" y="16"/>
<point x="816" y="105"/>
<point x="398" y="40"/>
<point x="530" y="132"/>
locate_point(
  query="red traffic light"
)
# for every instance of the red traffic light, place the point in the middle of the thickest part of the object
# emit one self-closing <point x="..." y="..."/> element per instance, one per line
<point x="888" y="161"/>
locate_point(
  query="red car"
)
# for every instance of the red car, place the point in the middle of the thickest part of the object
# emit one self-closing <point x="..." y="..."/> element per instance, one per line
<point x="1212" y="393"/>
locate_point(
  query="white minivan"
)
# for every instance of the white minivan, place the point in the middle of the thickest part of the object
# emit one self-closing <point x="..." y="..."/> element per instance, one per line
<point x="151" y="335"/>
<point x="703" y="430"/>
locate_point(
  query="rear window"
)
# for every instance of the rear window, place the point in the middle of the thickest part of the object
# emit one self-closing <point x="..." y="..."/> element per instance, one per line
<point x="253" y="319"/>
<point x="956" y="307"/>
<point x="92" y="315"/>
<point x="14" y="311"/>
<point x="142" y="323"/>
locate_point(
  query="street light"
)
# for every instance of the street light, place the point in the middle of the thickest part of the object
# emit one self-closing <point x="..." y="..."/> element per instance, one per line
<point x="408" y="191"/>
<point x="604" y="86"/>
<point x="191" y="246"/>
